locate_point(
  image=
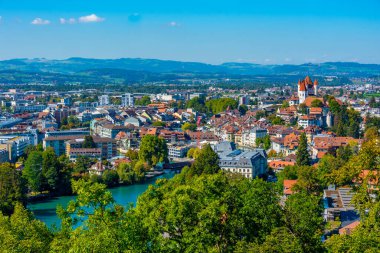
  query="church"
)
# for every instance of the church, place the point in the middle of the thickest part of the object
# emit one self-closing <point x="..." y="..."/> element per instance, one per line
<point x="307" y="88"/>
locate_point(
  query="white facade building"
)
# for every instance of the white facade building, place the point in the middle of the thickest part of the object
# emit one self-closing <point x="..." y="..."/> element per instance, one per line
<point x="104" y="100"/>
<point x="127" y="100"/>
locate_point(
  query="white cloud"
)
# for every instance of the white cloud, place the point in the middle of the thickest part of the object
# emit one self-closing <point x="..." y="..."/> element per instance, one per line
<point x="69" y="21"/>
<point x="91" y="19"/>
<point x="174" y="24"/>
<point x="40" y="21"/>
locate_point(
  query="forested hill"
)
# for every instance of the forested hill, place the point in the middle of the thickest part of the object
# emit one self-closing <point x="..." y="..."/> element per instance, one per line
<point x="75" y="65"/>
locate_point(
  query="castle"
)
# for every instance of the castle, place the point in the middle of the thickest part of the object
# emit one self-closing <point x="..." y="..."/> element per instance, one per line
<point x="307" y="88"/>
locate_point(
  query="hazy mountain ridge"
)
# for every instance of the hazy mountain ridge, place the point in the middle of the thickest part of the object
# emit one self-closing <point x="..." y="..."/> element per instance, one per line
<point x="75" y="65"/>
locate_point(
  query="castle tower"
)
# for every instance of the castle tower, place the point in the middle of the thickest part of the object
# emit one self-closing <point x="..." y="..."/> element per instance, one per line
<point x="302" y="91"/>
<point x="316" y="87"/>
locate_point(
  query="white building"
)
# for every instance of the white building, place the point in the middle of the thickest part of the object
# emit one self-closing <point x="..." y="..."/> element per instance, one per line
<point x="244" y="100"/>
<point x="177" y="151"/>
<point x="249" y="164"/>
<point x="127" y="100"/>
<point x="255" y="133"/>
<point x="104" y="100"/>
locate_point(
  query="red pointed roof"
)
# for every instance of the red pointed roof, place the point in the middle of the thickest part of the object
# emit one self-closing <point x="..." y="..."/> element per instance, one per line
<point x="302" y="86"/>
<point x="308" y="80"/>
<point x="316" y="82"/>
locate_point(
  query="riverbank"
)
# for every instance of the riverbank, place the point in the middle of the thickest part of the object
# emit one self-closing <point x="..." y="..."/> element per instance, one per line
<point x="45" y="210"/>
<point x="47" y="196"/>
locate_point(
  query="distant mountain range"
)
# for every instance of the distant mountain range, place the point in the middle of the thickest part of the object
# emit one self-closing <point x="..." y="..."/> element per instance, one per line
<point x="75" y="65"/>
<point x="129" y="70"/>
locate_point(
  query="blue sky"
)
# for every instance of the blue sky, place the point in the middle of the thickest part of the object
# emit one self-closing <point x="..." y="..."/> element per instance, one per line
<point x="213" y="31"/>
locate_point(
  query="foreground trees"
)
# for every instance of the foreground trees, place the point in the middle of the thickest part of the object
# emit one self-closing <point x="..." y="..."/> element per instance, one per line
<point x="12" y="188"/>
<point x="210" y="212"/>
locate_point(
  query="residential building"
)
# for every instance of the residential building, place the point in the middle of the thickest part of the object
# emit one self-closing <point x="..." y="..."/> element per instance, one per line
<point x="127" y="100"/>
<point x="177" y="151"/>
<point x="104" y="100"/>
<point x="249" y="164"/>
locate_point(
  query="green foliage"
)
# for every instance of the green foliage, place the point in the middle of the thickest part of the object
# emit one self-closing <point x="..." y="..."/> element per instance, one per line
<point x="82" y="164"/>
<point x="276" y="120"/>
<point x="264" y="142"/>
<point x="88" y="142"/>
<point x="193" y="153"/>
<point x="107" y="228"/>
<point x="207" y="162"/>
<point x="144" y="101"/>
<point x="285" y="104"/>
<point x="316" y="103"/>
<point x="22" y="233"/>
<point x="159" y="124"/>
<point x="302" y="108"/>
<point x="50" y="170"/>
<point x="303" y="218"/>
<point x="110" y="178"/>
<point x="198" y="104"/>
<point x="153" y="150"/>
<point x="189" y="126"/>
<point x="260" y="114"/>
<point x="372" y="122"/>
<point x="210" y="213"/>
<point x="32" y="171"/>
<point x="243" y="109"/>
<point x="303" y="156"/>
<point x="12" y="188"/>
<point x="281" y="240"/>
<point x="221" y="104"/>
<point x="132" y="154"/>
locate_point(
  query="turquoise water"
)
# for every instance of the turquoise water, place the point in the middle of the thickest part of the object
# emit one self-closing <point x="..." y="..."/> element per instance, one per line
<point x="124" y="195"/>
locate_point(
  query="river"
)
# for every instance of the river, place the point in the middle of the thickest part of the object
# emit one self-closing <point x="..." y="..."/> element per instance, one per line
<point x="46" y="210"/>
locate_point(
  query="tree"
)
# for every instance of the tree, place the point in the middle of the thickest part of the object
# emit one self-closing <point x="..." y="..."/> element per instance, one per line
<point x="303" y="218"/>
<point x="153" y="150"/>
<point x="372" y="102"/>
<point x="82" y="164"/>
<point x="243" y="109"/>
<point x="276" y="120"/>
<point x="197" y="103"/>
<point x="132" y="154"/>
<point x="316" y="103"/>
<point x="88" y="142"/>
<point x="265" y="142"/>
<point x="110" y="178"/>
<point x="302" y="109"/>
<point x="260" y="114"/>
<point x="50" y="170"/>
<point x="303" y="157"/>
<point x="32" y="171"/>
<point x="189" y="126"/>
<point x="106" y="226"/>
<point x="22" y="233"/>
<point x="308" y="180"/>
<point x="221" y="104"/>
<point x="285" y="104"/>
<point x="207" y="162"/>
<point x="159" y="124"/>
<point x="145" y="100"/>
<point x="229" y="208"/>
<point x="281" y="240"/>
<point x="12" y="188"/>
